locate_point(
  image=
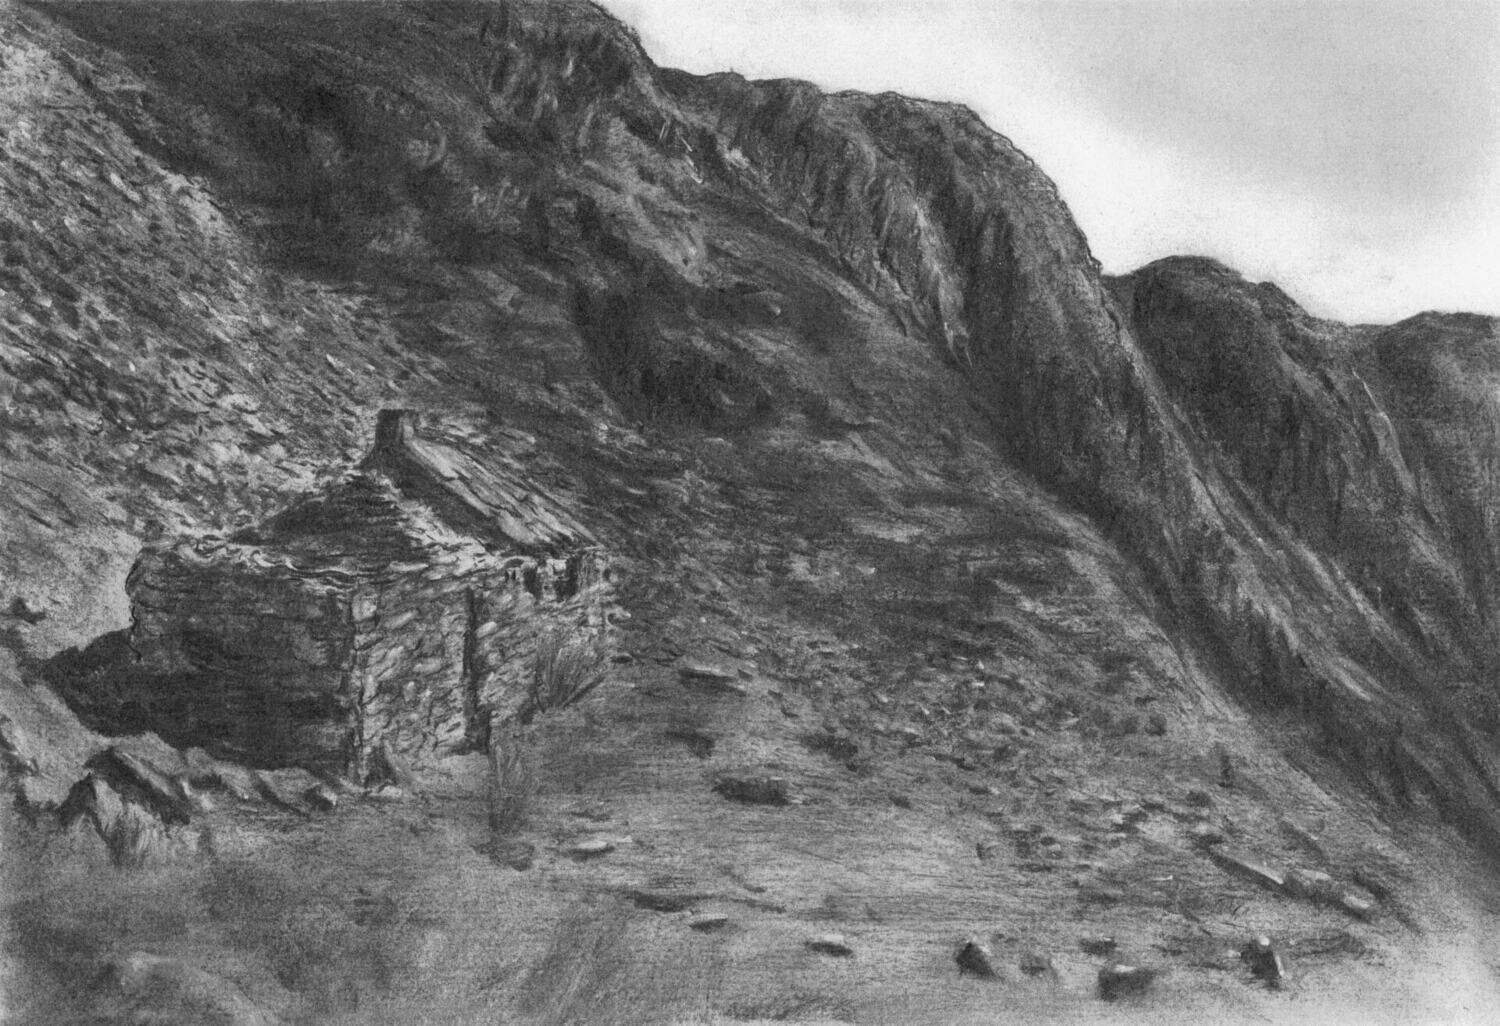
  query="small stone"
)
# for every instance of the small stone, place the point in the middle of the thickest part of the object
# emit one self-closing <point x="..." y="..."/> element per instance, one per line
<point x="388" y="767"/>
<point x="1205" y="835"/>
<point x="1264" y="961"/>
<point x="1249" y="869"/>
<point x="1312" y="884"/>
<point x="1356" y="906"/>
<point x="1037" y="963"/>
<point x="753" y="790"/>
<point x="1373" y="881"/>
<point x="695" y="669"/>
<point x="1119" y="980"/>
<point x="593" y="813"/>
<point x="1303" y="838"/>
<point x="288" y="787"/>
<point x="322" y="797"/>
<point x="1096" y="945"/>
<point x="592" y="848"/>
<point x="831" y="944"/>
<point x="976" y="958"/>
<point x="1199" y="798"/>
<point x="23" y="610"/>
<point x="707" y="921"/>
<point x="516" y="854"/>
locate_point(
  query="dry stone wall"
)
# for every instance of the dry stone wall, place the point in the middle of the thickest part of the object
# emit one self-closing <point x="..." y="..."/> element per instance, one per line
<point x="284" y="666"/>
<point x="253" y="656"/>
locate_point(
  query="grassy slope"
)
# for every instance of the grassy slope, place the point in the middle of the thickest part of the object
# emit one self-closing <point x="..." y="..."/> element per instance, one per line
<point x="254" y="249"/>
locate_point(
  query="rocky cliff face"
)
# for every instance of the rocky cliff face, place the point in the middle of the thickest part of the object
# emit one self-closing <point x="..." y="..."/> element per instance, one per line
<point x="894" y="473"/>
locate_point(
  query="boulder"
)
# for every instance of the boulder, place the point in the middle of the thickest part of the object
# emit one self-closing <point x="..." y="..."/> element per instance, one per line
<point x="1037" y="963"/>
<point x="1249" y="869"/>
<point x="976" y="958"/>
<point x="290" y="788"/>
<point x="132" y="833"/>
<point x="1312" y="884"/>
<point x="753" y="790"/>
<point x="1264" y="960"/>
<point x="1118" y="980"/>
<point x="155" y="775"/>
<point x="831" y="944"/>
<point x="512" y="852"/>
<point x="321" y="797"/>
<point x="389" y="767"/>
<point x="663" y="901"/>
<point x="707" y="921"/>
<point x="204" y="771"/>
<point x="1205" y="835"/>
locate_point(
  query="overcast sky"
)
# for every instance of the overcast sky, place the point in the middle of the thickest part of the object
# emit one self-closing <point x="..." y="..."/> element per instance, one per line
<point x="1349" y="151"/>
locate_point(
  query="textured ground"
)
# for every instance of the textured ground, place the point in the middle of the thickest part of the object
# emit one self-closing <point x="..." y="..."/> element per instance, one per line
<point x="1037" y="590"/>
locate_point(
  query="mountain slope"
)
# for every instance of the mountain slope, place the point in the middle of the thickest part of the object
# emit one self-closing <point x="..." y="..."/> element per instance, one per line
<point x="1041" y="589"/>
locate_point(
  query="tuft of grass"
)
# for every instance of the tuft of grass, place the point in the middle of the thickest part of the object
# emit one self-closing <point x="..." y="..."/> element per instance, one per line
<point x="514" y="780"/>
<point x="565" y="672"/>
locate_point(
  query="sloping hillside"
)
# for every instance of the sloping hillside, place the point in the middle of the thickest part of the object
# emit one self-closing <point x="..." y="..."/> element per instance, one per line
<point x="969" y="593"/>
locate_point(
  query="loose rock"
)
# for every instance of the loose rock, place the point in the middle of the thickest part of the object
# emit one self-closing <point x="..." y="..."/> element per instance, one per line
<point x="150" y="780"/>
<point x="976" y="958"/>
<point x="753" y="790"/>
<point x="1037" y="963"/>
<point x="203" y="770"/>
<point x="1356" y="906"/>
<point x="288" y="787"/>
<point x="700" y="670"/>
<point x="386" y="766"/>
<point x="1117" y="981"/>
<point x="1247" y="868"/>
<point x="1092" y="945"/>
<point x="591" y="848"/>
<point x="831" y="944"/>
<point x="322" y="797"/>
<point x="1264" y="961"/>
<point x="1206" y="835"/>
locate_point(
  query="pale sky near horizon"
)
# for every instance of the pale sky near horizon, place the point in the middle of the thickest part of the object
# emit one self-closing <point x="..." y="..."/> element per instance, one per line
<point x="1348" y="150"/>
